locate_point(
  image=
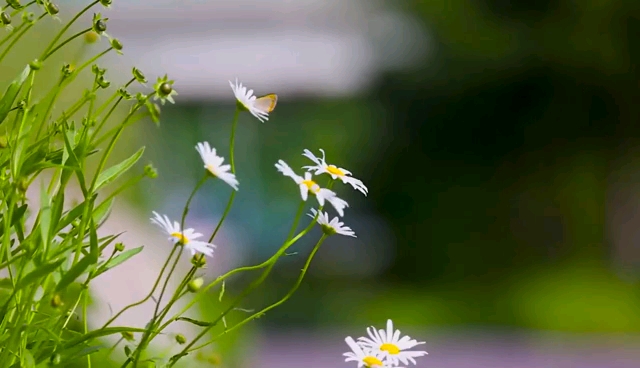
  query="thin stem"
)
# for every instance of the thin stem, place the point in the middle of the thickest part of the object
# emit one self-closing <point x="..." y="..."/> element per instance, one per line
<point x="65" y="42"/>
<point x="233" y="170"/>
<point x="19" y="35"/>
<point x="296" y="220"/>
<point x="65" y="28"/>
<point x="279" y="302"/>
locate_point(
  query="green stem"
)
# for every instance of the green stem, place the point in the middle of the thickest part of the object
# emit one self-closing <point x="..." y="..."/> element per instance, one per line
<point x="19" y="35"/>
<point x="64" y="43"/>
<point x="65" y="28"/>
<point x="279" y="302"/>
<point x="233" y="170"/>
<point x="296" y="220"/>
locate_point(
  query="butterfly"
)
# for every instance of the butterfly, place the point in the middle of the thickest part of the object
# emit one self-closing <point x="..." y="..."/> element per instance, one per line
<point x="266" y="103"/>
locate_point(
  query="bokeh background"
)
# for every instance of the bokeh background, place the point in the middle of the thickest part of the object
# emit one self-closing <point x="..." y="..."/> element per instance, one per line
<point x="499" y="141"/>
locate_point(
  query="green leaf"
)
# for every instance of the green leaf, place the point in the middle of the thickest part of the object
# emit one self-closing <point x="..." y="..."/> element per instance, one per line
<point x="100" y="333"/>
<point x="45" y="217"/>
<point x="102" y="212"/>
<point x="115" y="171"/>
<point x="39" y="272"/>
<point x="194" y="321"/>
<point x="12" y="92"/>
<point x="75" y="271"/>
<point x="120" y="258"/>
<point x="5" y="283"/>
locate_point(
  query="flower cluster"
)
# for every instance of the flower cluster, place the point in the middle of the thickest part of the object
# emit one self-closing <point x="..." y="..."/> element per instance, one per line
<point x="383" y="348"/>
<point x="260" y="107"/>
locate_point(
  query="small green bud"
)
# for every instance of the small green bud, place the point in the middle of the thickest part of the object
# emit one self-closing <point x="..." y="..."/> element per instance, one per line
<point x="91" y="37"/>
<point x="124" y="93"/>
<point x="98" y="71"/>
<point x="106" y="3"/>
<point x="56" y="301"/>
<point x="165" y="89"/>
<point x="23" y="184"/>
<point x="52" y="8"/>
<point x="55" y="359"/>
<point x="180" y="339"/>
<point x="35" y="64"/>
<point x="199" y="260"/>
<point x="5" y="18"/>
<point x="103" y="83"/>
<point x="27" y="17"/>
<point x="14" y="4"/>
<point x="195" y="284"/>
<point x="127" y="335"/>
<point x="67" y="69"/>
<point x="141" y="97"/>
<point x="117" y="45"/>
<point x="119" y="247"/>
<point x="3" y="141"/>
<point x="137" y="74"/>
<point x="99" y="26"/>
<point x="127" y="350"/>
<point x="150" y="171"/>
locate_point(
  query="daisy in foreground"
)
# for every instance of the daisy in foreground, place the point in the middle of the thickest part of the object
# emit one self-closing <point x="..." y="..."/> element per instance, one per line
<point x="331" y="227"/>
<point x="307" y="185"/>
<point x="213" y="163"/>
<point x="260" y="107"/>
<point x="365" y="357"/>
<point x="186" y="238"/>
<point x="391" y="346"/>
<point x="335" y="172"/>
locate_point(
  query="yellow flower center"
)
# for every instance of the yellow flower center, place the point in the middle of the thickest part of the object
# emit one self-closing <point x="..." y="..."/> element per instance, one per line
<point x="390" y="348"/>
<point x="370" y="361"/>
<point x="332" y="169"/>
<point x="312" y="186"/>
<point x="182" y="239"/>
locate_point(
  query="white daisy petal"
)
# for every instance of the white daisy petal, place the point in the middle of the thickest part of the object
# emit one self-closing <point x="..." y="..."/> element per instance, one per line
<point x="186" y="237"/>
<point x="363" y="356"/>
<point x="391" y="345"/>
<point x="213" y="164"/>
<point x="335" y="172"/>
<point x="331" y="227"/>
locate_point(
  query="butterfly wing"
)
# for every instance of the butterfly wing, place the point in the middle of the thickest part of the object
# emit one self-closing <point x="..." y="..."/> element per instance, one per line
<point x="267" y="102"/>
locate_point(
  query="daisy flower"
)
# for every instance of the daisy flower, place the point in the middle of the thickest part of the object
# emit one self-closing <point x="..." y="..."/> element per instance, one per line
<point x="365" y="357"/>
<point x="391" y="345"/>
<point x="260" y="107"/>
<point x="331" y="227"/>
<point x="186" y="237"/>
<point x="307" y="185"/>
<point x="335" y="172"/>
<point x="213" y="163"/>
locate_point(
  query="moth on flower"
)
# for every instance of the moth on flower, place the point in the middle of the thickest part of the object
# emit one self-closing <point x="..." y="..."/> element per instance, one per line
<point x="307" y="185"/>
<point x="213" y="164"/>
<point x="391" y="345"/>
<point x="344" y="175"/>
<point x="331" y="227"/>
<point x="187" y="237"/>
<point x="260" y="107"/>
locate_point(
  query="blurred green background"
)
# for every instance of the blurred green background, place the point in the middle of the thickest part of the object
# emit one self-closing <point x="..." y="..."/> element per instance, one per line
<point x="490" y="166"/>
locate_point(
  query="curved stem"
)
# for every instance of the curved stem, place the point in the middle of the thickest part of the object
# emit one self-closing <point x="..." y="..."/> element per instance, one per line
<point x="65" y="42"/>
<point x="279" y="302"/>
<point x="296" y="220"/>
<point x="233" y="170"/>
<point x="65" y="28"/>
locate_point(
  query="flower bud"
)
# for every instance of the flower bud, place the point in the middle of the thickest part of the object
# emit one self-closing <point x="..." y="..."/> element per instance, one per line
<point x="127" y="335"/>
<point x="139" y="76"/>
<point x="14" y="4"/>
<point x="23" y="184"/>
<point x="52" y="8"/>
<point x="195" y="284"/>
<point x="165" y="89"/>
<point x="180" y="339"/>
<point x="56" y="301"/>
<point x="35" y="64"/>
<point x="117" y="45"/>
<point x="119" y="247"/>
<point x="124" y="93"/>
<point x="3" y="141"/>
<point x="67" y="69"/>
<point x="5" y="18"/>
<point x="150" y="171"/>
<point x="198" y="260"/>
<point x="91" y="37"/>
<point x="102" y="82"/>
<point x="106" y="3"/>
<point x="127" y="350"/>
